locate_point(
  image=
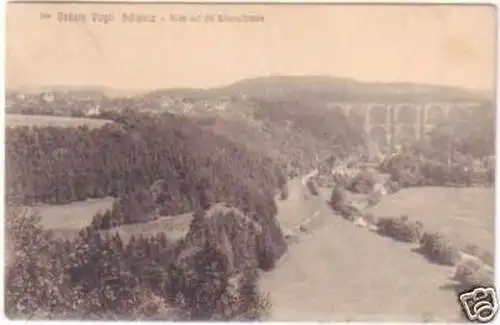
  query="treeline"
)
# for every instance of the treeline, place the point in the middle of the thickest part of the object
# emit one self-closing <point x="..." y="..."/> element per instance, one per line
<point x="146" y="204"/>
<point x="414" y="170"/>
<point x="96" y="276"/>
<point x="60" y="165"/>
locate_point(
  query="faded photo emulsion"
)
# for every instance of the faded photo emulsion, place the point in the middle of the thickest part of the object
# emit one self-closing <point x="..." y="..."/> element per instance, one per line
<point x="250" y="162"/>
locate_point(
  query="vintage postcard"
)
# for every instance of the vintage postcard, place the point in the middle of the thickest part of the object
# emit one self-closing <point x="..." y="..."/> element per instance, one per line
<point x="250" y="162"/>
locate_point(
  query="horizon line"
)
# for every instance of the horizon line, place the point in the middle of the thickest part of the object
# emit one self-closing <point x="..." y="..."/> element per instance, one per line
<point x="151" y="89"/>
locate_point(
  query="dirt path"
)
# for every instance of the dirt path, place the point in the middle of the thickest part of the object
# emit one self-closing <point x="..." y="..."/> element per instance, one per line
<point x="339" y="272"/>
<point x="299" y="205"/>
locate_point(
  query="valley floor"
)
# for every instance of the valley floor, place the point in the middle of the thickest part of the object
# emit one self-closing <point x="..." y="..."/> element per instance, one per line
<point x="339" y="272"/>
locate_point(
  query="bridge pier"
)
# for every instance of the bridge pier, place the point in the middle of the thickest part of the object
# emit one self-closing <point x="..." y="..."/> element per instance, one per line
<point x="393" y="123"/>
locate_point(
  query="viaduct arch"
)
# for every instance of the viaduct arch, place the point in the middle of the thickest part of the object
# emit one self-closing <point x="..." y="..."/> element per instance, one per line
<point x="388" y="124"/>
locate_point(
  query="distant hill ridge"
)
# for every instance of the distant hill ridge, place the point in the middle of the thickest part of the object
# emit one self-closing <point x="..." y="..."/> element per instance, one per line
<point x="296" y="87"/>
<point x="323" y="88"/>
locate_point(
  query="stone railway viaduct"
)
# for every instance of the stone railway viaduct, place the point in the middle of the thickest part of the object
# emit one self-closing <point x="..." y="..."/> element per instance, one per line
<point x="398" y="123"/>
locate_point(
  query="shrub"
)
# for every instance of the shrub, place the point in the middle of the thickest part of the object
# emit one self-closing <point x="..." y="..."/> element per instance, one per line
<point x="312" y="187"/>
<point x="351" y="164"/>
<point x="471" y="274"/>
<point x="338" y="197"/>
<point x="342" y="179"/>
<point x="339" y="201"/>
<point x="400" y="229"/>
<point x="393" y="186"/>
<point x="363" y="182"/>
<point x="439" y="249"/>
<point x="406" y="178"/>
<point x="349" y="212"/>
<point x="284" y="192"/>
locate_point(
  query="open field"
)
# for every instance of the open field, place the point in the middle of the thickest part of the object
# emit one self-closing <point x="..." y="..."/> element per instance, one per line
<point x="13" y="120"/>
<point x="67" y="220"/>
<point x="175" y="227"/>
<point x="465" y="215"/>
<point x="71" y="216"/>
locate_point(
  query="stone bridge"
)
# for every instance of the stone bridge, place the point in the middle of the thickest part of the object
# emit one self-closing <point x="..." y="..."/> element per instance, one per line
<point x="400" y="123"/>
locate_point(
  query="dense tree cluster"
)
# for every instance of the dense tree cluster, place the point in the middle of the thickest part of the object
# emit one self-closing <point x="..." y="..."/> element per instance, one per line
<point x="61" y="165"/>
<point x="453" y="154"/>
<point x="413" y="168"/>
<point x="98" y="276"/>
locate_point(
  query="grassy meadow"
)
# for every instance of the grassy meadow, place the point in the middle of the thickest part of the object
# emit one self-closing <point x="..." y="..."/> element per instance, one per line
<point x="13" y="120"/>
<point x="465" y="215"/>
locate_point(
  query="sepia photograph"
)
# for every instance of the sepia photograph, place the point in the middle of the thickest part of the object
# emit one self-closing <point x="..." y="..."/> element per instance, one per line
<point x="250" y="162"/>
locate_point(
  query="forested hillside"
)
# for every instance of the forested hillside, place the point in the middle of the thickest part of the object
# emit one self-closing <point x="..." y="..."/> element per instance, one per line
<point x="294" y="133"/>
<point x="96" y="277"/>
<point x="61" y="165"/>
<point x="154" y="165"/>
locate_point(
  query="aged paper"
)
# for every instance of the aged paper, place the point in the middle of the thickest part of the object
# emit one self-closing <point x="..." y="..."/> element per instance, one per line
<point x="269" y="162"/>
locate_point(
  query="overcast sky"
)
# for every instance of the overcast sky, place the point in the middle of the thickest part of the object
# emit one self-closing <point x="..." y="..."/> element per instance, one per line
<point x="451" y="45"/>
